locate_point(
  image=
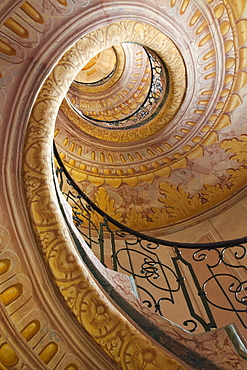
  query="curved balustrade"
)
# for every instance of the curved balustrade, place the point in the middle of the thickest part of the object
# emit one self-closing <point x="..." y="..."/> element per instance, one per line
<point x="150" y="107"/>
<point x="163" y="274"/>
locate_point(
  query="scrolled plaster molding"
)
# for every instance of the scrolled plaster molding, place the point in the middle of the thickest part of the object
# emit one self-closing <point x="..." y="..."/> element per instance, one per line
<point x="127" y="346"/>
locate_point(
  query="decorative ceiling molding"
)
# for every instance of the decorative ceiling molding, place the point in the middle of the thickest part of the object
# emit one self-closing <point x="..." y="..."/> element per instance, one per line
<point x="101" y="320"/>
<point x="21" y="77"/>
<point x="180" y="156"/>
<point x="167" y="51"/>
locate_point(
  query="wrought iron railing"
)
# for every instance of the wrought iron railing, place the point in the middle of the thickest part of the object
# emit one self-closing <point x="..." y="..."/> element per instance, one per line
<point x="215" y="273"/>
<point x="154" y="100"/>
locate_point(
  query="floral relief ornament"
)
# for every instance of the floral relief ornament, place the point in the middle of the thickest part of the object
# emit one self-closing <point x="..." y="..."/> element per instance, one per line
<point x="91" y="307"/>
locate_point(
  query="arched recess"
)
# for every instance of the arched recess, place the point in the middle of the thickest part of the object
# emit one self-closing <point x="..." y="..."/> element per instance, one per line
<point x="123" y="342"/>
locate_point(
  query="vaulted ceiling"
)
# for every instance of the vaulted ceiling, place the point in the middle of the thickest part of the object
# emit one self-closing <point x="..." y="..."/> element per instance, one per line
<point x="188" y="155"/>
<point x="187" y="160"/>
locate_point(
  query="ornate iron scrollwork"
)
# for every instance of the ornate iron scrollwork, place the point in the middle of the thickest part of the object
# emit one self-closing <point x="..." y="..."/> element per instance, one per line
<point x="161" y="280"/>
<point x="154" y="100"/>
<point x="225" y="278"/>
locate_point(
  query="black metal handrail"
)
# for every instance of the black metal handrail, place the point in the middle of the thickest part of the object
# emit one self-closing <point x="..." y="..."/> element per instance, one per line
<point x="202" y="269"/>
<point x="119" y="225"/>
<point x="154" y="100"/>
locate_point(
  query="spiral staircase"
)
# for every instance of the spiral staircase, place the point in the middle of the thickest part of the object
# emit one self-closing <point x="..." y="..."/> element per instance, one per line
<point x="145" y="102"/>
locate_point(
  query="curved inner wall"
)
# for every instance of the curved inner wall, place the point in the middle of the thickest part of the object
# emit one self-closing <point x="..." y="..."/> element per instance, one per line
<point x="164" y="178"/>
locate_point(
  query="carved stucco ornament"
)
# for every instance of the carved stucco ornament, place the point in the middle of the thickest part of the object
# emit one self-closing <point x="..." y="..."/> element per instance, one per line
<point x="110" y="329"/>
<point x="171" y="57"/>
<point x="179" y="160"/>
